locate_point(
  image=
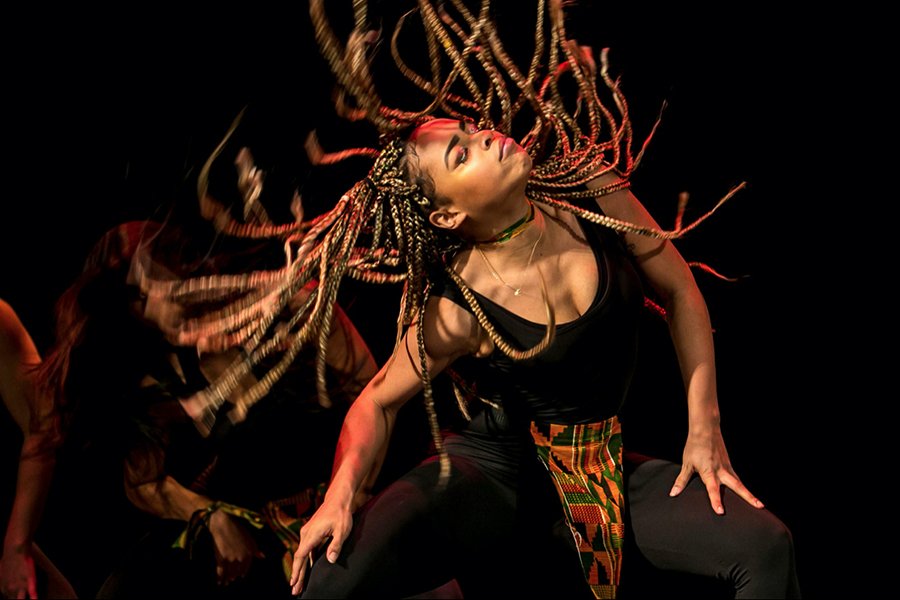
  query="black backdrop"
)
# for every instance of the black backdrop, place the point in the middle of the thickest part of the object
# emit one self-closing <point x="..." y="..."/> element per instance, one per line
<point x="106" y="115"/>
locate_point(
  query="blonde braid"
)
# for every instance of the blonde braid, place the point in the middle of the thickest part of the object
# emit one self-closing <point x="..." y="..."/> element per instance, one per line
<point x="390" y="211"/>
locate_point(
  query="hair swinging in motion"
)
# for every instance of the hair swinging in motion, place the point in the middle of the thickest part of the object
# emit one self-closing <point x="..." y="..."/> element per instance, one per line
<point x="379" y="232"/>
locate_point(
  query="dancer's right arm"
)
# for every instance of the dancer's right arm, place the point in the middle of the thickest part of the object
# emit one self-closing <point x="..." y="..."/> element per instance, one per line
<point x="449" y="332"/>
<point x="35" y="414"/>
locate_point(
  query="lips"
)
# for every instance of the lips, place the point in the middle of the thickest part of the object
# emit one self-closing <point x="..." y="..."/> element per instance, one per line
<point x="503" y="145"/>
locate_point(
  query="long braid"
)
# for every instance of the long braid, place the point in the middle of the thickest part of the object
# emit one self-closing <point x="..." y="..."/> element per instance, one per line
<point x="379" y="232"/>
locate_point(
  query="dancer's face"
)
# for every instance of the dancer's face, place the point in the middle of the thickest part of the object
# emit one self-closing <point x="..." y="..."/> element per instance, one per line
<point x="479" y="172"/>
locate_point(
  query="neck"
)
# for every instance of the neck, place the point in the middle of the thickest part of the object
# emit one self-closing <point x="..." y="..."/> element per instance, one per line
<point x="513" y="230"/>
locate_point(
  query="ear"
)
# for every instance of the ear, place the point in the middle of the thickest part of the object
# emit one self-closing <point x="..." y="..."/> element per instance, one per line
<point x="446" y="218"/>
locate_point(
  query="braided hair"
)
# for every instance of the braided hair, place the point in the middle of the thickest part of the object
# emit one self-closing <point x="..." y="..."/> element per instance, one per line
<point x="378" y="232"/>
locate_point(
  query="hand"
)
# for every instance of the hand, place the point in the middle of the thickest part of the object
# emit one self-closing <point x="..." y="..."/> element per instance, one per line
<point x="17" y="578"/>
<point x="235" y="548"/>
<point x="706" y="455"/>
<point x="328" y="521"/>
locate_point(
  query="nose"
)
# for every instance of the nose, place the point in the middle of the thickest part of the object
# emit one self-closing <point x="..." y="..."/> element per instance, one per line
<point x="487" y="139"/>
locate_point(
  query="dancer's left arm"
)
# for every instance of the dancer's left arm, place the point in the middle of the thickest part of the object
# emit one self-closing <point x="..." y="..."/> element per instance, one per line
<point x="689" y="326"/>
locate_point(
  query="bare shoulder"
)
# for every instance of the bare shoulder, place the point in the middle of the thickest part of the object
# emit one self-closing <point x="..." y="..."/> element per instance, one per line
<point x="8" y="317"/>
<point x="450" y="330"/>
<point x="619" y="203"/>
<point x="603" y="179"/>
<point x="14" y="338"/>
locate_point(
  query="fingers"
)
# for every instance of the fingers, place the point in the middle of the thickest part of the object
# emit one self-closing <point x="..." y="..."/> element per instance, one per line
<point x="734" y="483"/>
<point x="226" y="575"/>
<point x="713" y="485"/>
<point x="297" y="568"/>
<point x="303" y="553"/>
<point x="32" y="587"/>
<point x="334" y="548"/>
<point x="328" y="522"/>
<point x="682" y="480"/>
<point x="16" y="593"/>
<point x="298" y="572"/>
<point x="709" y="480"/>
<point x="228" y="571"/>
<point x="303" y="558"/>
<point x="312" y="538"/>
<point x="20" y="591"/>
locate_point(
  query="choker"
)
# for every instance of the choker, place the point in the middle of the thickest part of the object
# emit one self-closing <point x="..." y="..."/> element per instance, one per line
<point x="513" y="230"/>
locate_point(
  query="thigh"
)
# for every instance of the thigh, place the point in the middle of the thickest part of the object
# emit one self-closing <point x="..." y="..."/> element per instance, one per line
<point x="406" y="540"/>
<point x="684" y="534"/>
<point x="541" y="557"/>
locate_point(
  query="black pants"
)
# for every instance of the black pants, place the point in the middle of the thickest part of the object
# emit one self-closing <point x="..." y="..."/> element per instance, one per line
<point x="748" y="551"/>
<point x="497" y="541"/>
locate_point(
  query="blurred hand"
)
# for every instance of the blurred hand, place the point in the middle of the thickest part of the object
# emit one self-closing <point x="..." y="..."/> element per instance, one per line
<point x="234" y="547"/>
<point x="17" y="579"/>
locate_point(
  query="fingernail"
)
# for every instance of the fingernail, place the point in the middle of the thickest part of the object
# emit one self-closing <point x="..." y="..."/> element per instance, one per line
<point x="720" y="510"/>
<point x="332" y="557"/>
<point x="675" y="491"/>
<point x="759" y="504"/>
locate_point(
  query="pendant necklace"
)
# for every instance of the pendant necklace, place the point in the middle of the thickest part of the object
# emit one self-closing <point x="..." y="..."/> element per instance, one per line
<point x="517" y="290"/>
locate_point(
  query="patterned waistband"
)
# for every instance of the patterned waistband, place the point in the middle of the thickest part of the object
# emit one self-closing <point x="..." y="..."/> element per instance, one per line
<point x="585" y="464"/>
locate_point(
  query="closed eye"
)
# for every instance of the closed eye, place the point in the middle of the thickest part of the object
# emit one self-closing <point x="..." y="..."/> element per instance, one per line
<point x="463" y="155"/>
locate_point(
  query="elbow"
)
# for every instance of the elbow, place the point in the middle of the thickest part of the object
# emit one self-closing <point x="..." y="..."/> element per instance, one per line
<point x="141" y="494"/>
<point x="41" y="446"/>
<point x="136" y="492"/>
<point x="686" y="297"/>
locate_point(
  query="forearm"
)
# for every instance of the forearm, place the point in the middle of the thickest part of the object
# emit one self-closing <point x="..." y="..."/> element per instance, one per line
<point x="32" y="484"/>
<point x="365" y="490"/>
<point x="360" y="450"/>
<point x="18" y="355"/>
<point x="166" y="499"/>
<point x="691" y="332"/>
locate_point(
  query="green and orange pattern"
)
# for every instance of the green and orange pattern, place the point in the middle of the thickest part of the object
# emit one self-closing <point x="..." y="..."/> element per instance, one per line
<point x="284" y="517"/>
<point x="585" y="463"/>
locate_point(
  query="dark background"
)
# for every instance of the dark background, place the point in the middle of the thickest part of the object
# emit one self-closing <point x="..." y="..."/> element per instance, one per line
<point x="107" y="115"/>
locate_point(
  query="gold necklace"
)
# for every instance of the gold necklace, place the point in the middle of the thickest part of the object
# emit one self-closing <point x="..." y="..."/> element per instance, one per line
<point x="517" y="290"/>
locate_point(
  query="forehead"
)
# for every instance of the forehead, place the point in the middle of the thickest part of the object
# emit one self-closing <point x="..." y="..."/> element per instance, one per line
<point x="436" y="130"/>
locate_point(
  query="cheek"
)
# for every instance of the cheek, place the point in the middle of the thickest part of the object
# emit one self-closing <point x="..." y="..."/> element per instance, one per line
<point x="484" y="185"/>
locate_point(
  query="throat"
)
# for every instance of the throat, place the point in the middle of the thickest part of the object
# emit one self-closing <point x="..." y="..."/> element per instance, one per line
<point x="513" y="230"/>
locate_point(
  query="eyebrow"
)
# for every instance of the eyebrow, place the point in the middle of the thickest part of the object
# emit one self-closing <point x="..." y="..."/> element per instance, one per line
<point x="453" y="142"/>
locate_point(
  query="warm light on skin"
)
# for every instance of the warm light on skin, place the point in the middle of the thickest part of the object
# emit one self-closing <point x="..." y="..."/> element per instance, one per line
<point x="482" y="173"/>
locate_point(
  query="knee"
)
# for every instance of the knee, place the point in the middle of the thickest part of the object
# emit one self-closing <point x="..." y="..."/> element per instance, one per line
<point x="765" y="567"/>
<point x="772" y="540"/>
<point x="763" y="550"/>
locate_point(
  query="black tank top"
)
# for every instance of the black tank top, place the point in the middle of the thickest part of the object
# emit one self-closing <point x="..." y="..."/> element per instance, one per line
<point x="585" y="374"/>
